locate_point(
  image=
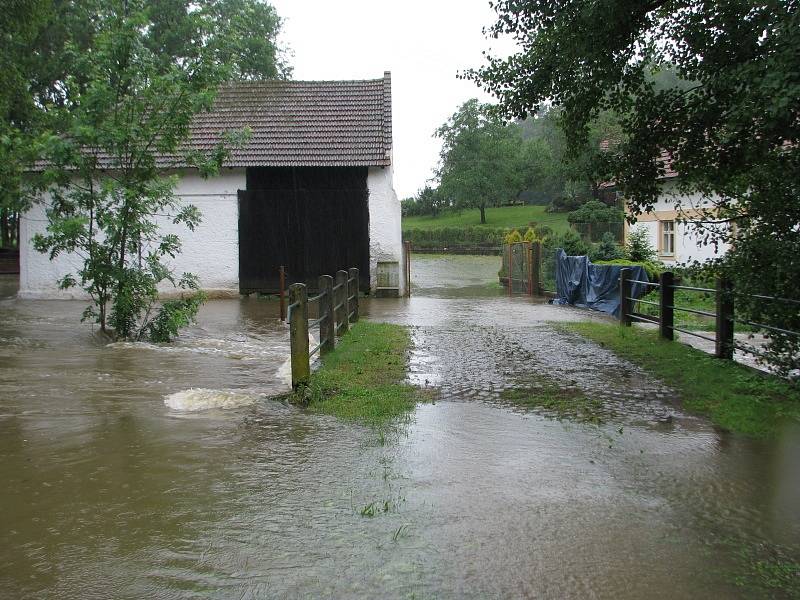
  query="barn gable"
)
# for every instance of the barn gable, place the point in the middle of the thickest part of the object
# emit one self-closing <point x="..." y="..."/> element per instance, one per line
<point x="311" y="189"/>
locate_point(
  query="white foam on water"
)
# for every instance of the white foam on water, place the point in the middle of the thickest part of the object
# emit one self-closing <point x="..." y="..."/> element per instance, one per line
<point x="238" y="349"/>
<point x="284" y="373"/>
<point x="195" y="399"/>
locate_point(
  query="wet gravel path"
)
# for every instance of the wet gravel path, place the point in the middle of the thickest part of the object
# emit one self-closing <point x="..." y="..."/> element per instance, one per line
<point x="470" y="350"/>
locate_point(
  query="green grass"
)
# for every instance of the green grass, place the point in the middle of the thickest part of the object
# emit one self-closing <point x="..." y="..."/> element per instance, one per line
<point x="363" y="379"/>
<point x="704" y="301"/>
<point x="553" y="401"/>
<point x="732" y="395"/>
<point x="505" y="216"/>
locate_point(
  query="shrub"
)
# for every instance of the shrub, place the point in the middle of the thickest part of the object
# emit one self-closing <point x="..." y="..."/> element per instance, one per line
<point x="595" y="211"/>
<point x="639" y="248"/>
<point x="570" y="242"/>
<point x="563" y="204"/>
<point x="513" y="237"/>
<point x="451" y="237"/>
<point x="173" y="315"/>
<point x="607" y="249"/>
<point x="653" y="268"/>
<point x="530" y="236"/>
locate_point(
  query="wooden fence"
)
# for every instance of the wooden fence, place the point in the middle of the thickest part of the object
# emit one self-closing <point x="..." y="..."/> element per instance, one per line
<point x="337" y="304"/>
<point x="724" y="316"/>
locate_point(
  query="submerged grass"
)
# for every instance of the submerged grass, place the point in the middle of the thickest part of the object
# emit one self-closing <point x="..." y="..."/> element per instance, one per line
<point x="560" y="403"/>
<point x="769" y="569"/>
<point x="732" y="395"/>
<point x="363" y="379"/>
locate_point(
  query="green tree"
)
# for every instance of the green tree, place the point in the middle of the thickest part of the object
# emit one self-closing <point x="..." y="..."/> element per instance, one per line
<point x="607" y="249"/>
<point x="579" y="167"/>
<point x="107" y="172"/>
<point x="20" y="23"/>
<point x="638" y="247"/>
<point x="480" y="161"/>
<point x="728" y="122"/>
<point x="44" y="46"/>
<point x="596" y="212"/>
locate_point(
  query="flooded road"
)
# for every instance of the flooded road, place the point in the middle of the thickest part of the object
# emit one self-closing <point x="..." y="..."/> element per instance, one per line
<point x="116" y="485"/>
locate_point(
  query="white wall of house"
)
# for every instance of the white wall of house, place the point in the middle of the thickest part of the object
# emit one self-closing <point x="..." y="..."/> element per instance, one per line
<point x="211" y="251"/>
<point x="689" y="246"/>
<point x="385" y="235"/>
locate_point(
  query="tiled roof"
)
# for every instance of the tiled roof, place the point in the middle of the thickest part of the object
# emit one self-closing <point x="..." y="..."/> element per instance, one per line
<point x="664" y="160"/>
<point x="294" y="124"/>
<point x="302" y="123"/>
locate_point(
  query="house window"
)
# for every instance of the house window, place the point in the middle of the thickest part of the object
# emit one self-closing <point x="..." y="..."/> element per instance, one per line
<point x="668" y="238"/>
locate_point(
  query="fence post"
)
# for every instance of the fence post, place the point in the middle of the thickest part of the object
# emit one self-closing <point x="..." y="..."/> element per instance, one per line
<point x="724" y="337"/>
<point x="625" y="305"/>
<point x="352" y="292"/>
<point x="298" y="334"/>
<point x="340" y="309"/>
<point x="666" y="312"/>
<point x="536" y="261"/>
<point x="282" y="291"/>
<point x="408" y="268"/>
<point x="529" y="261"/>
<point x="510" y="269"/>
<point x="327" y="327"/>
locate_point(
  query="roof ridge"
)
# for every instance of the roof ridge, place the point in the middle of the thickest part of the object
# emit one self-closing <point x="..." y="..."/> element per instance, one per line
<point x="253" y="82"/>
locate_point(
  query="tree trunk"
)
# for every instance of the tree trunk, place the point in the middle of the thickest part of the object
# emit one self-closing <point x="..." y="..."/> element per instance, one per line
<point x="4" y="229"/>
<point x="482" y="208"/>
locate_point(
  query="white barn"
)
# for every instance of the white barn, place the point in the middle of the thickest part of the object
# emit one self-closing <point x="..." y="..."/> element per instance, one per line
<point x="311" y="190"/>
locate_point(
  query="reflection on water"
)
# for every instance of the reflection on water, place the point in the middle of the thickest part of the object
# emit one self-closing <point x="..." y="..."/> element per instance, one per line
<point x="114" y="487"/>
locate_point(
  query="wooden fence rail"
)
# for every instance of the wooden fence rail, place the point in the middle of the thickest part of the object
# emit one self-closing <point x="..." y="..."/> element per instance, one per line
<point x="337" y="306"/>
<point x="724" y="316"/>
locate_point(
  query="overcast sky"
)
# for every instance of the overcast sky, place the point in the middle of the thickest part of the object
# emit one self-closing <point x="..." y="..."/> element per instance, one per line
<point x="424" y="43"/>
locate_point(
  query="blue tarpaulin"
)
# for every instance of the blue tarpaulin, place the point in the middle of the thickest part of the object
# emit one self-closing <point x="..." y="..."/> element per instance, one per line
<point x="581" y="283"/>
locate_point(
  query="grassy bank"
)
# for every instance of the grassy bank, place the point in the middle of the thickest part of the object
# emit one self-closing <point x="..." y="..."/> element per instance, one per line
<point x="363" y="379"/>
<point x="502" y="217"/>
<point x="732" y="395"/>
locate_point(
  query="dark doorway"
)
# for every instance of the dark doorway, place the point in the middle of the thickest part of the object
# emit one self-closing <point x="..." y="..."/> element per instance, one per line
<point x="312" y="220"/>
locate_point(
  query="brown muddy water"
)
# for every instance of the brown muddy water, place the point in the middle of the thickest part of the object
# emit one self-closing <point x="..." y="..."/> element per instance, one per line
<point x="168" y="472"/>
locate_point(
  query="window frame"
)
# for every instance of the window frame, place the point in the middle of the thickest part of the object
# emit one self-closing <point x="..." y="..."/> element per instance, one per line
<point x="662" y="237"/>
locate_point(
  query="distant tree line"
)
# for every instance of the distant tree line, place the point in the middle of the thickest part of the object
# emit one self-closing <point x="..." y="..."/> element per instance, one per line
<point x="486" y="161"/>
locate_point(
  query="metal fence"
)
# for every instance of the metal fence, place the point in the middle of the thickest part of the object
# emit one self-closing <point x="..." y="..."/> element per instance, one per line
<point x="724" y="316"/>
<point x="521" y="266"/>
<point x="337" y="308"/>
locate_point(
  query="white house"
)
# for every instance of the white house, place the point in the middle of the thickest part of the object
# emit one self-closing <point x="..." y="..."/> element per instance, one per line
<point x="311" y="190"/>
<point x="671" y="230"/>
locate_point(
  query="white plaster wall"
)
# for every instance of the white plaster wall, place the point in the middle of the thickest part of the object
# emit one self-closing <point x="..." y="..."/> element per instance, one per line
<point x="670" y="196"/>
<point x="385" y="235"/>
<point x="211" y="251"/>
<point x="690" y="246"/>
<point x="688" y="243"/>
<point x="38" y="275"/>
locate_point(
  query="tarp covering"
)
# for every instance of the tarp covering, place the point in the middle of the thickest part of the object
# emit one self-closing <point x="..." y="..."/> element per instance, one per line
<point x="581" y="283"/>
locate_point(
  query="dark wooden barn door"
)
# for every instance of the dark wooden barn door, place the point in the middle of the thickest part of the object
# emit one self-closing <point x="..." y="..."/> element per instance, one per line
<point x="312" y="220"/>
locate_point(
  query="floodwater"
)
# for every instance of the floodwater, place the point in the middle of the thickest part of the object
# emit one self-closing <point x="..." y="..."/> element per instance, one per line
<point x="142" y="471"/>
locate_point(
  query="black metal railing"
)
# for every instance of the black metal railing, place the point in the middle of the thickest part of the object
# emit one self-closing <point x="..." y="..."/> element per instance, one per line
<point x="337" y="307"/>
